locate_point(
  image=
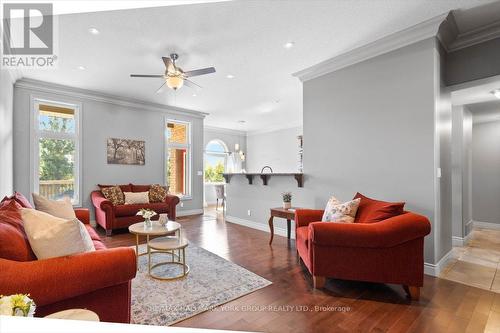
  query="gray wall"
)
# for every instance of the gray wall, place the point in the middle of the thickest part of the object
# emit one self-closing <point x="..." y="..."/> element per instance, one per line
<point x="467" y="172"/>
<point x="486" y="172"/>
<point x="230" y="138"/>
<point x="371" y="129"/>
<point x="102" y="120"/>
<point x="473" y="63"/>
<point x="278" y="149"/>
<point x="6" y="132"/>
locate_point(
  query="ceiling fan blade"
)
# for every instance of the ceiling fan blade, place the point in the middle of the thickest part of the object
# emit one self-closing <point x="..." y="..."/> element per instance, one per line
<point x="159" y="90"/>
<point x="191" y="84"/>
<point x="201" y="71"/>
<point x="140" y="75"/>
<point x="168" y="64"/>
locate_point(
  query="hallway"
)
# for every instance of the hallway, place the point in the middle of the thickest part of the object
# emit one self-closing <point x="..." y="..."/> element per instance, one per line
<point x="478" y="263"/>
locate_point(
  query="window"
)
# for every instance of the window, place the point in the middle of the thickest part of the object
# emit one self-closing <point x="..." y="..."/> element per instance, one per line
<point x="216" y="154"/>
<point x="56" y="142"/>
<point x="178" y="137"/>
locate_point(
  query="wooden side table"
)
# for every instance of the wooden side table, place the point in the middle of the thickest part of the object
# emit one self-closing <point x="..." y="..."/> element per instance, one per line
<point x="288" y="214"/>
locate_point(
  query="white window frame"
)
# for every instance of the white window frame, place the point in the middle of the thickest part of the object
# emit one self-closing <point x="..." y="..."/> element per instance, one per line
<point x="225" y="154"/>
<point x="36" y="134"/>
<point x="188" y="147"/>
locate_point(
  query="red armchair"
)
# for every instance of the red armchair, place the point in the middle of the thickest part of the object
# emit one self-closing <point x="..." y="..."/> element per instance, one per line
<point x="99" y="281"/>
<point x="389" y="251"/>
<point x="111" y="217"/>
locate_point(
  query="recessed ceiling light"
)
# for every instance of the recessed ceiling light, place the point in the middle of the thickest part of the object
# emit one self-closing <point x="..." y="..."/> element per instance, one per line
<point x="94" y="31"/>
<point x="496" y="92"/>
<point x="230" y="76"/>
<point x="82" y="68"/>
<point x="241" y="121"/>
<point x="194" y="95"/>
<point x="288" y="45"/>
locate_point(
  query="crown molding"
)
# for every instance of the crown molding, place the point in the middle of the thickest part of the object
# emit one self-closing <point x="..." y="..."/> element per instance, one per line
<point x="73" y="92"/>
<point x="224" y="130"/>
<point x="381" y="46"/>
<point x="476" y="36"/>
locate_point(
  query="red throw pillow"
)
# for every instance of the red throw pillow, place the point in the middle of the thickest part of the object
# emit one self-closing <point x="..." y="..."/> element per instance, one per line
<point x="14" y="243"/>
<point x="371" y="210"/>
<point x="21" y="199"/>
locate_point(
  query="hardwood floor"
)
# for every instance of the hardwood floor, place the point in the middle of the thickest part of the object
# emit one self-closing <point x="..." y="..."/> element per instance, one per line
<point x="444" y="306"/>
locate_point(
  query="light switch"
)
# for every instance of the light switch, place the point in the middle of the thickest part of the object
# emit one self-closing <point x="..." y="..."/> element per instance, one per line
<point x="200" y="173"/>
<point x="438" y="172"/>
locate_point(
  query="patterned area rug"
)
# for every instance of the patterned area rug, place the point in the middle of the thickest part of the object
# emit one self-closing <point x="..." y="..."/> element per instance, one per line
<point x="212" y="281"/>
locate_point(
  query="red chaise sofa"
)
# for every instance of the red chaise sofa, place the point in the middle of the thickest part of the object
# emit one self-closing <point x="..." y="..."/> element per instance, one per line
<point x="112" y="217"/>
<point x="372" y="249"/>
<point x="99" y="281"/>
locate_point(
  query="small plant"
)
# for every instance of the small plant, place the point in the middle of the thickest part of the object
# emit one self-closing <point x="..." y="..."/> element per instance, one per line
<point x="146" y="213"/>
<point x="19" y="305"/>
<point x="287" y="196"/>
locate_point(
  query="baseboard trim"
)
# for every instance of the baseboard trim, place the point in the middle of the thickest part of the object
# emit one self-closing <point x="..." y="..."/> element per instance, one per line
<point x="435" y="269"/>
<point x="458" y="241"/>
<point x="259" y="226"/>
<point x="486" y="225"/>
<point x="189" y="212"/>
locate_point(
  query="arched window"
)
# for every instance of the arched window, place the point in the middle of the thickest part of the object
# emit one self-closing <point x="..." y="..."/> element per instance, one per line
<point x="216" y="154"/>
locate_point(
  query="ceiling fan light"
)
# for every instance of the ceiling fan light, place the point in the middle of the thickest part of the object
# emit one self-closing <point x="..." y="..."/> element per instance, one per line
<point x="175" y="82"/>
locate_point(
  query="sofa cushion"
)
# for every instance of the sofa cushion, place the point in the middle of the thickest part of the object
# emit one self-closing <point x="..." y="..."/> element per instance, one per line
<point x="140" y="188"/>
<point x="371" y="210"/>
<point x="124" y="187"/>
<point x="136" y="198"/>
<point x="302" y="235"/>
<point x="130" y="210"/>
<point x="157" y="193"/>
<point x="98" y="244"/>
<point x="21" y="199"/>
<point x="12" y="233"/>
<point x="59" y="208"/>
<point x="51" y="236"/>
<point x="114" y="194"/>
<point x="337" y="211"/>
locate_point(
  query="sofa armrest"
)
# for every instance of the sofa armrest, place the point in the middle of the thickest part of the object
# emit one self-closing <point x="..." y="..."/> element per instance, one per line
<point x="100" y="202"/>
<point x="52" y="280"/>
<point x="83" y="215"/>
<point x="172" y="199"/>
<point x="305" y="216"/>
<point x="387" y="233"/>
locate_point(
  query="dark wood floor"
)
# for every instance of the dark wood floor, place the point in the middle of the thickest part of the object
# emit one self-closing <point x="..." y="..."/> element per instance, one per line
<point x="444" y="306"/>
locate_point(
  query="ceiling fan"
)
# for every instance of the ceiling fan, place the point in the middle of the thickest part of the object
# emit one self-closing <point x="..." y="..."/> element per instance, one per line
<point x="174" y="76"/>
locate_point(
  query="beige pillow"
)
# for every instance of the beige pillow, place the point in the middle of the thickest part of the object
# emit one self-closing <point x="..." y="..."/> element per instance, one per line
<point x="51" y="236"/>
<point x="336" y="211"/>
<point x="60" y="208"/>
<point x="136" y="198"/>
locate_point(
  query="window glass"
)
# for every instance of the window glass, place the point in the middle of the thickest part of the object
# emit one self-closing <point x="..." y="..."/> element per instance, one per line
<point x="215" y="161"/>
<point x="177" y="171"/>
<point x="56" y="119"/>
<point x="177" y="133"/>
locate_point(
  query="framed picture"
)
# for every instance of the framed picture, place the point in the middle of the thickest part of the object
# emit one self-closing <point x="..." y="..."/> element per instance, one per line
<point x="123" y="151"/>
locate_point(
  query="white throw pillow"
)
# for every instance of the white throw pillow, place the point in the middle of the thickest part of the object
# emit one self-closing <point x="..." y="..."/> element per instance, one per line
<point x="60" y="208"/>
<point x="336" y="211"/>
<point x="51" y="236"/>
<point x="136" y="198"/>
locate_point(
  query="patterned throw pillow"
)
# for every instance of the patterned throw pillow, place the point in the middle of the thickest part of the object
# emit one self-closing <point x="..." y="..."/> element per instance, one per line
<point x="114" y="194"/>
<point x="336" y="211"/>
<point x="157" y="193"/>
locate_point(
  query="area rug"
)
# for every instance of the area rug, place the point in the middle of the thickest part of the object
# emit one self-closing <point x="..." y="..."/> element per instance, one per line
<point x="212" y="281"/>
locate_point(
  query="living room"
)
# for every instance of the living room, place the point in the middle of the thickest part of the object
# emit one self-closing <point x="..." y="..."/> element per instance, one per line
<point x="262" y="166"/>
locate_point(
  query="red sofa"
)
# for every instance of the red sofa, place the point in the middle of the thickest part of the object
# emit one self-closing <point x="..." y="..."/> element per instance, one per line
<point x="99" y="281"/>
<point x="112" y="217"/>
<point x="386" y="251"/>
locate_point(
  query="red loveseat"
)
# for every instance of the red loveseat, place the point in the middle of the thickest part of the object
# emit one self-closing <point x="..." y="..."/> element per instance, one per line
<point x="99" y="281"/>
<point x="381" y="250"/>
<point x="112" y="217"/>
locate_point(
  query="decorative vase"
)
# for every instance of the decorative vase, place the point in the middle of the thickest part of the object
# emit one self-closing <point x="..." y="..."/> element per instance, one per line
<point x="287" y="205"/>
<point x="148" y="224"/>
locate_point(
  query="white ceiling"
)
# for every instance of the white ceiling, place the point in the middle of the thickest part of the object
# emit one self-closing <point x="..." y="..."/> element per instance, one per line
<point x="243" y="38"/>
<point x="486" y="111"/>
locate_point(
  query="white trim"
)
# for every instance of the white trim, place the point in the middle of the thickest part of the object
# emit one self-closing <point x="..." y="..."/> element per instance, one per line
<point x="73" y="92"/>
<point x="476" y="36"/>
<point x="411" y="35"/>
<point x="460" y="241"/>
<point x="435" y="269"/>
<point x="475" y="83"/>
<point x="259" y="226"/>
<point x="486" y="225"/>
<point x="189" y="212"/>
<point x="224" y="130"/>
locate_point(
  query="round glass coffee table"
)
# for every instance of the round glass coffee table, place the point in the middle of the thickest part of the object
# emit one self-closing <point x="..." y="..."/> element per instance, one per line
<point x="169" y="244"/>
<point x="139" y="229"/>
